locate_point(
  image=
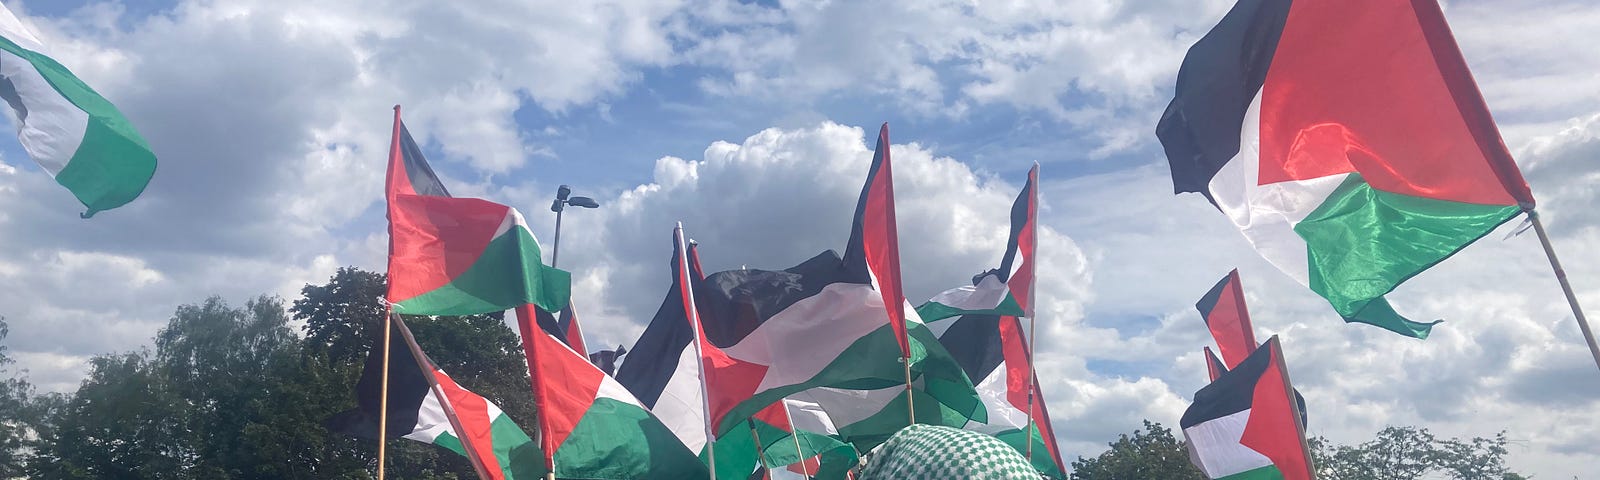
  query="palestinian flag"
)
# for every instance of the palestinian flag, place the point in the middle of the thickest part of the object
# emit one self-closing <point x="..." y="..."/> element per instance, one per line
<point x="830" y="322"/>
<point x="1241" y="427"/>
<point x="992" y="347"/>
<point x="989" y="296"/>
<point x="1229" y="321"/>
<point x="416" y="412"/>
<point x="1347" y="141"/>
<point x="73" y="133"/>
<point x="828" y="457"/>
<point x="1214" y="366"/>
<point x="565" y="327"/>
<point x="594" y="428"/>
<point x="458" y="256"/>
<point x="662" y="371"/>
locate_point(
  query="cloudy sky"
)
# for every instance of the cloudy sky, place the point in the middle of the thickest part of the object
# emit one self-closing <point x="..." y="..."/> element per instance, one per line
<point x="747" y="120"/>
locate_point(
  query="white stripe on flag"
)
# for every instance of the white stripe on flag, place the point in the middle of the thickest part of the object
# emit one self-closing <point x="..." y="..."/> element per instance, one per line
<point x="812" y="332"/>
<point x="1267" y="214"/>
<point x="1214" y="446"/>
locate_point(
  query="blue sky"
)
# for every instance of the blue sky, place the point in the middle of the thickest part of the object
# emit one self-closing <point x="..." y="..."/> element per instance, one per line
<point x="748" y="121"/>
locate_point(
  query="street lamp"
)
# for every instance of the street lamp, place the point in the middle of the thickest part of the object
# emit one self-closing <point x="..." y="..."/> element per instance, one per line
<point x="560" y="205"/>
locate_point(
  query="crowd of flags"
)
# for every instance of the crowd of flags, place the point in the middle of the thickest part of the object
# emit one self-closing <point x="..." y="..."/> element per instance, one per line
<point x="1345" y="139"/>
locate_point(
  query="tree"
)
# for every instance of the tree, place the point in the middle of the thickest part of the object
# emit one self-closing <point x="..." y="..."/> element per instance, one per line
<point x="1412" y="452"/>
<point x="14" y="421"/>
<point x="344" y="319"/>
<point x="1152" y="453"/>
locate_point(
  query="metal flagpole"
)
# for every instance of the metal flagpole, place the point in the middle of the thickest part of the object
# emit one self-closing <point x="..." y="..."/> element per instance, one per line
<point x="1561" y="276"/>
<point x="383" y="388"/>
<point x="686" y="293"/>
<point x="426" y="367"/>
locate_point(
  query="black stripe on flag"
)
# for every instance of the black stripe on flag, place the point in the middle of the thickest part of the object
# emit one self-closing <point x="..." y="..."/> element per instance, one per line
<point x="1230" y="394"/>
<point x="654" y="357"/>
<point x="423" y="181"/>
<point x="407" y="389"/>
<point x="733" y="303"/>
<point x="1019" y="221"/>
<point x="1219" y="77"/>
<point x="974" y="342"/>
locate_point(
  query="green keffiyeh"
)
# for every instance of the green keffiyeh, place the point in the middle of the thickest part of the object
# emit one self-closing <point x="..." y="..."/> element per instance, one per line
<point x="934" y="452"/>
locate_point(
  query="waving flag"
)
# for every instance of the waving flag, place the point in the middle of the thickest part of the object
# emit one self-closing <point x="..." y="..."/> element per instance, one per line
<point x="1346" y="140"/>
<point x="593" y="427"/>
<point x="458" y="256"/>
<point x="991" y="347"/>
<point x="417" y="413"/>
<point x="1228" y="320"/>
<point x="1241" y="427"/>
<point x="830" y="322"/>
<point x="76" y="135"/>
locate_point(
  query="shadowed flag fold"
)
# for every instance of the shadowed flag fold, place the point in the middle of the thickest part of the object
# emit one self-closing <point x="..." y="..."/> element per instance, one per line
<point x="1346" y="140"/>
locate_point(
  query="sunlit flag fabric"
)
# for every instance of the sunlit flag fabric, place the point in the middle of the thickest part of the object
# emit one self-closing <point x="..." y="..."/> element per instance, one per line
<point x="824" y="323"/>
<point x="458" y="256"/>
<point x="594" y="426"/>
<point x="1346" y="140"/>
<point x="1241" y="426"/>
<point x="1226" y="317"/>
<point x="73" y="133"/>
<point x="416" y="413"/>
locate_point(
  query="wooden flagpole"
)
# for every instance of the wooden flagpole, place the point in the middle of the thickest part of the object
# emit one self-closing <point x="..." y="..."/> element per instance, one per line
<point x="383" y="386"/>
<point x="426" y="366"/>
<point x="795" y="435"/>
<point x="686" y="293"/>
<point x="1294" y="406"/>
<point x="1561" y="276"/>
<point x="761" y="453"/>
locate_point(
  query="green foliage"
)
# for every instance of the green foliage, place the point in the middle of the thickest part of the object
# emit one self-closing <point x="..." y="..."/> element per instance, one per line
<point x="14" y="419"/>
<point x="1411" y="452"/>
<point x="235" y="393"/>
<point x="1151" y="453"/>
<point x="1398" y="453"/>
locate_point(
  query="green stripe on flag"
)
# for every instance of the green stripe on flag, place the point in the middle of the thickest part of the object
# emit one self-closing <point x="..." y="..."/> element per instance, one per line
<point x="113" y="164"/>
<point x="1263" y="473"/>
<point x="934" y="311"/>
<point x="619" y="440"/>
<point x="1363" y="242"/>
<point x="506" y="275"/>
<point x="864" y="366"/>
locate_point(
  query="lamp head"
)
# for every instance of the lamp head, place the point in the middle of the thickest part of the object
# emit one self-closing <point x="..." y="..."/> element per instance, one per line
<point x="584" y="202"/>
<point x="562" y="192"/>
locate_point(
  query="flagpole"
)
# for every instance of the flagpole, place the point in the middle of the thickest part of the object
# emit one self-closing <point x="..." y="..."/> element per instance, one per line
<point x="795" y="434"/>
<point x="383" y="388"/>
<point x="1561" y="276"/>
<point x="686" y="293"/>
<point x="1294" y="408"/>
<point x="525" y="324"/>
<point x="427" y="368"/>
<point x="1033" y="243"/>
<point x="761" y="453"/>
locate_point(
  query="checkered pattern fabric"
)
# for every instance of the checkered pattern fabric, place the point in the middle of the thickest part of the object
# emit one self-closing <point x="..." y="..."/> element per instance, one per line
<point x="934" y="452"/>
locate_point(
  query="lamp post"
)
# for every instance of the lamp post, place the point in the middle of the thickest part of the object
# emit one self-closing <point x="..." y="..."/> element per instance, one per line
<point x="564" y="198"/>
